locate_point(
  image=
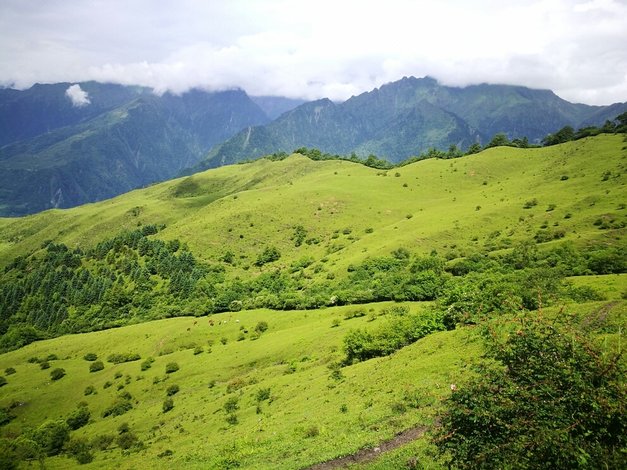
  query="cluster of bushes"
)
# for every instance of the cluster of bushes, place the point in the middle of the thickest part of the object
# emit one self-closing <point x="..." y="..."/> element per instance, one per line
<point x="399" y="330"/>
<point x="119" y="358"/>
<point x="49" y="439"/>
<point x="134" y="275"/>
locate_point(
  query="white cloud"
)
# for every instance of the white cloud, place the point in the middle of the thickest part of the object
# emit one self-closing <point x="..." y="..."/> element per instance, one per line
<point x="307" y="49"/>
<point x="77" y="96"/>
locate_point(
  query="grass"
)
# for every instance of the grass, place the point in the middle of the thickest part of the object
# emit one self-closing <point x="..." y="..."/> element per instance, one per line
<point x="244" y="208"/>
<point x="349" y="212"/>
<point x="371" y="402"/>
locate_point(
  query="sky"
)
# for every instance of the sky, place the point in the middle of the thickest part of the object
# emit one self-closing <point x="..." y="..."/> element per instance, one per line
<point x="315" y="49"/>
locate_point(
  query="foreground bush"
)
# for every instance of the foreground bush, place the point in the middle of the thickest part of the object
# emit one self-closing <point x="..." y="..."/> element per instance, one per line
<point x="550" y="399"/>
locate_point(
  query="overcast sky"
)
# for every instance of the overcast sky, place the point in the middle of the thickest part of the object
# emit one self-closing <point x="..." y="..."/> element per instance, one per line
<point x="323" y="48"/>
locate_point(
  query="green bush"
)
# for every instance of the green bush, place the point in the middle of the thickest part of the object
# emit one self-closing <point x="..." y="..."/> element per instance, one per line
<point x="231" y="404"/>
<point x="231" y="419"/>
<point x="127" y="440"/>
<point x="80" y="449"/>
<point x="171" y="367"/>
<point x="78" y="418"/>
<point x="261" y="326"/>
<point x="263" y="394"/>
<point x="398" y="331"/>
<point x="51" y="436"/>
<point x="102" y="441"/>
<point x="57" y="374"/>
<point x="549" y="397"/>
<point x="9" y="371"/>
<point x="147" y="364"/>
<point x="43" y="365"/>
<point x="3" y="381"/>
<point x="96" y="366"/>
<point x="268" y="255"/>
<point x="90" y="356"/>
<point x="89" y="390"/>
<point x="118" y="408"/>
<point x="168" y="404"/>
<point x="172" y="390"/>
<point x="120" y="358"/>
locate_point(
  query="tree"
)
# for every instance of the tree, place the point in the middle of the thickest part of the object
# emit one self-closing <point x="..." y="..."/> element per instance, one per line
<point x="268" y="255"/>
<point x="51" y="436"/>
<point x="474" y="148"/>
<point x="550" y="398"/>
<point x="498" y="140"/>
<point x="565" y="134"/>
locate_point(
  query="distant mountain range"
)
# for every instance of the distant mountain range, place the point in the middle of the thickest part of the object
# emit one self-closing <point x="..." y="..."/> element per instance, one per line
<point x="407" y="117"/>
<point x="58" y="154"/>
<point x="65" y="144"/>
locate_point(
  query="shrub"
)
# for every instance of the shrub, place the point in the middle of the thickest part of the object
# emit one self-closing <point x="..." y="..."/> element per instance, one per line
<point x="263" y="394"/>
<point x="120" y="358"/>
<point x="90" y="356"/>
<point x="51" y="436"/>
<point x="231" y="419"/>
<point x="78" y="418"/>
<point x="6" y="416"/>
<point x="231" y="404"/>
<point x="172" y="390"/>
<point x="127" y="440"/>
<point x="57" y="374"/>
<point x="312" y="431"/>
<point x="531" y="203"/>
<point x="102" y="441"/>
<point x="3" y="381"/>
<point x="118" y="408"/>
<point x="261" y="326"/>
<point x="198" y="350"/>
<point x="9" y="371"/>
<point x="89" y="390"/>
<point x="96" y="366"/>
<point x="147" y="364"/>
<point x="168" y="404"/>
<point x="548" y="396"/>
<point x="44" y="365"/>
<point x="171" y="367"/>
<point x="52" y="357"/>
<point x="268" y="255"/>
<point x="399" y="331"/>
<point x="80" y="449"/>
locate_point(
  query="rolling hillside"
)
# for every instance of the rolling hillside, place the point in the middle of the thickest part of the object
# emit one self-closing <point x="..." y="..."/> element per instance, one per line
<point x="459" y="202"/>
<point x="478" y="240"/>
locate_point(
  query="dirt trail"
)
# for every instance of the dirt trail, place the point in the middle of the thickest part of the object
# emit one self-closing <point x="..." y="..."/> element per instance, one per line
<point x="366" y="455"/>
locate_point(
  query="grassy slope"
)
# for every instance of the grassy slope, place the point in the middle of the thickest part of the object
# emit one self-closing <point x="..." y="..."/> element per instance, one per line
<point x="453" y="205"/>
<point x="196" y="429"/>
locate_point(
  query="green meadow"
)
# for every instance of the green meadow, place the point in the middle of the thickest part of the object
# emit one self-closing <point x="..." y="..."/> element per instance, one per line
<point x="264" y="388"/>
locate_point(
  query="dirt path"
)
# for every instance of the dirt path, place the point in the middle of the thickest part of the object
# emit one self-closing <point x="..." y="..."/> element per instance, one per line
<point x="366" y="455"/>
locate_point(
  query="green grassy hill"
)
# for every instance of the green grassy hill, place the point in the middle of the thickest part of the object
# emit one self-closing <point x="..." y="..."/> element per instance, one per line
<point x="453" y="206"/>
<point x="289" y="396"/>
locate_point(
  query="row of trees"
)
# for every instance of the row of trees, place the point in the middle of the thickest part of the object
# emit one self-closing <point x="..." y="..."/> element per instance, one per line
<point x="566" y="134"/>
